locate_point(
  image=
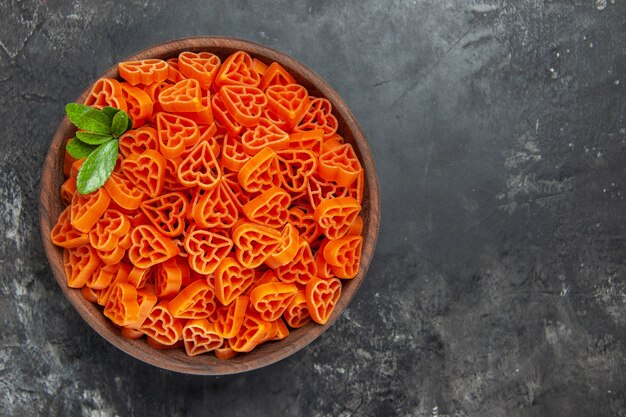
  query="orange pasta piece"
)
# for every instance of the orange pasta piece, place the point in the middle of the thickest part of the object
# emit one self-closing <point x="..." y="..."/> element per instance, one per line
<point x="200" y="337"/>
<point x="173" y="71"/>
<point x="68" y="160"/>
<point x="170" y="177"/>
<point x="215" y="208"/>
<point x="122" y="307"/>
<point x="224" y="118"/>
<point x="252" y="332"/>
<point x="297" y="313"/>
<point x="231" y="280"/>
<point x="167" y="212"/>
<point x="146" y="301"/>
<point x="224" y="352"/>
<point x="259" y="66"/>
<point x="204" y="116"/>
<point x="65" y="235"/>
<point x="201" y="66"/>
<point x="161" y="326"/>
<point x="200" y="168"/>
<point x="106" y="92"/>
<point x="233" y="155"/>
<point x="282" y="331"/>
<point x="86" y="209"/>
<point x="355" y="190"/>
<point x="140" y="276"/>
<point x="332" y="143"/>
<point x="311" y="140"/>
<point x="356" y="228"/>
<point x="271" y="208"/>
<point x="109" y="230"/>
<point x="122" y="192"/>
<point x="269" y="115"/>
<point x="121" y="276"/>
<point x="68" y="188"/>
<point x="239" y="195"/>
<point x="302" y="218"/>
<point x="206" y="250"/>
<point x="138" y="103"/>
<point x="287" y="249"/>
<point x="244" y="103"/>
<point x="168" y="278"/>
<point x="89" y="294"/>
<point x="131" y="334"/>
<point x="102" y="276"/>
<point x="188" y="275"/>
<point x="138" y="141"/>
<point x="289" y="102"/>
<point x="150" y="247"/>
<point x="321" y="298"/>
<point x="155" y="344"/>
<point x="264" y="135"/>
<point x="344" y="255"/>
<point x="340" y="164"/>
<point x="267" y="277"/>
<point x="296" y="167"/>
<point x="275" y="75"/>
<point x="324" y="269"/>
<point x="146" y="171"/>
<point x="136" y="217"/>
<point x="272" y="299"/>
<point x="237" y="70"/>
<point x="175" y="133"/>
<point x="147" y="71"/>
<point x="318" y="116"/>
<point x="301" y="269"/>
<point x="261" y="172"/>
<point x="270" y="332"/>
<point x="184" y="96"/>
<point x="79" y="263"/>
<point x="154" y="90"/>
<point x="115" y="255"/>
<point x="229" y="318"/>
<point x="196" y="301"/>
<point x="319" y="190"/>
<point x="336" y="215"/>
<point x="255" y="243"/>
<point x="76" y="167"/>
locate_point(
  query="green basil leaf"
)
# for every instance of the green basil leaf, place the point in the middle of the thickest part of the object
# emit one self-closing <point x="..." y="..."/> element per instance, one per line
<point x="89" y="119"/>
<point x="130" y="124"/>
<point x="78" y="149"/>
<point x="110" y="111"/>
<point x="97" y="167"/>
<point x="120" y="123"/>
<point x="93" y="138"/>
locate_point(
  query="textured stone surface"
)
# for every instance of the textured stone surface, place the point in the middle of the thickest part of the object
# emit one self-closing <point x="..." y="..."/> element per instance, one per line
<point x="498" y="284"/>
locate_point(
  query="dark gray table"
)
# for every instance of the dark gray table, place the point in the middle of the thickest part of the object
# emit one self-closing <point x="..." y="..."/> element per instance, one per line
<point x="498" y="285"/>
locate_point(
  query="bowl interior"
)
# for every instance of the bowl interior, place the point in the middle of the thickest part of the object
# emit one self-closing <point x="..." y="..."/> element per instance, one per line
<point x="176" y="359"/>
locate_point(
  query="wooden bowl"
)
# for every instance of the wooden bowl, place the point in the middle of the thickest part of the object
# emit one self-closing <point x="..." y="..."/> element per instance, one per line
<point x="175" y="359"/>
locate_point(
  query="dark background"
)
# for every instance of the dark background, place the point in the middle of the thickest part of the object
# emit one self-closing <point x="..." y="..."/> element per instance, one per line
<point x="497" y="288"/>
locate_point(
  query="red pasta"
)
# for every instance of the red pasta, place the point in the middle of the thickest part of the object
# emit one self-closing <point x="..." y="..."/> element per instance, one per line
<point x="233" y="213"/>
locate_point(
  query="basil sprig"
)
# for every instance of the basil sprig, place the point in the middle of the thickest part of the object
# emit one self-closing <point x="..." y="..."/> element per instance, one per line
<point x="97" y="141"/>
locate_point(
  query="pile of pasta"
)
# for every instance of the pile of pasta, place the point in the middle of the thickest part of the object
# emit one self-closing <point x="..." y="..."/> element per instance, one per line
<point x="231" y="215"/>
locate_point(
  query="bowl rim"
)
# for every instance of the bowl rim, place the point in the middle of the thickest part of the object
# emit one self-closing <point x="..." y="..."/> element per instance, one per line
<point x="232" y="366"/>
